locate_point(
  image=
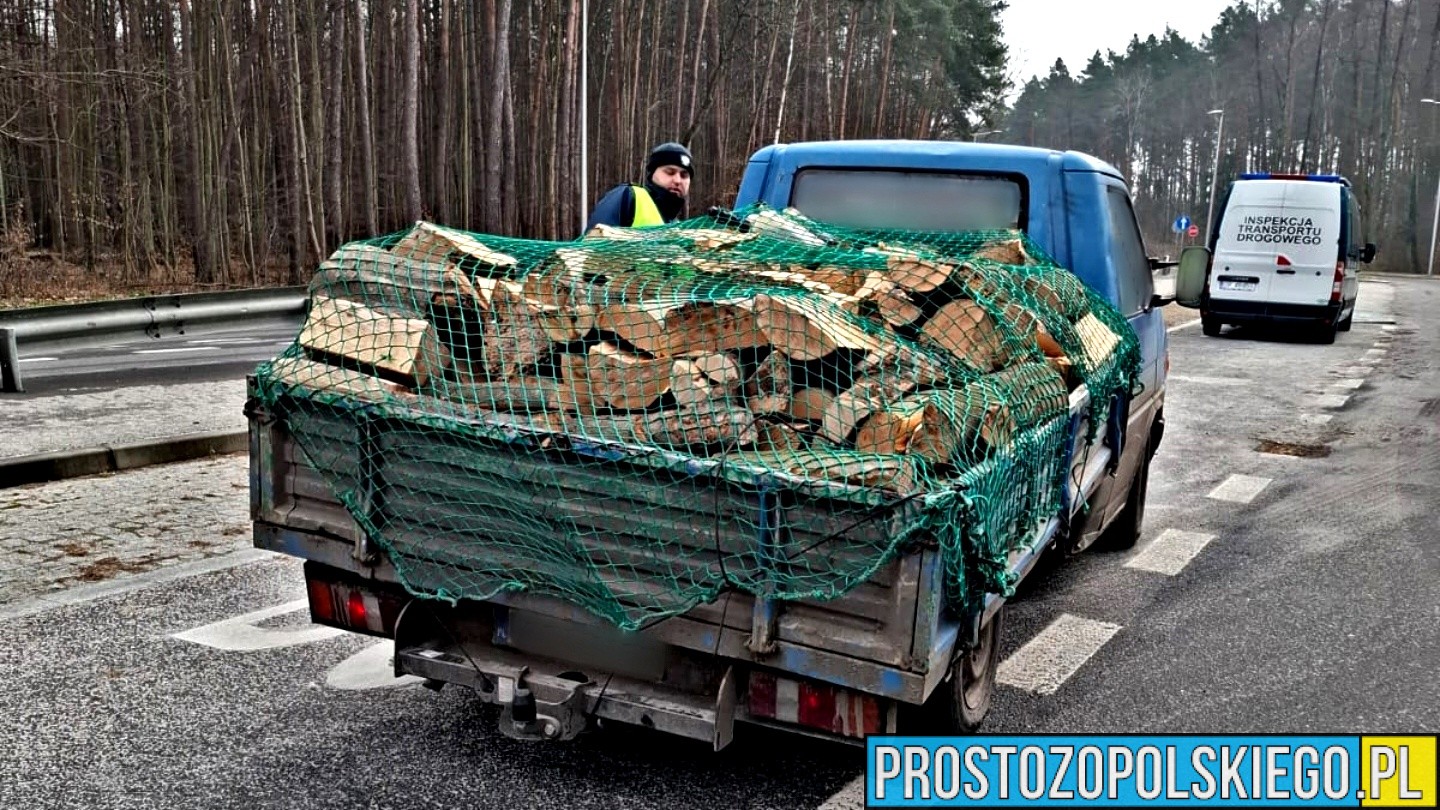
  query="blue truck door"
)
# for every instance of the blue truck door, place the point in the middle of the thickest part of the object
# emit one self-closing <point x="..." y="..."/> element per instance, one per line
<point x="1135" y="288"/>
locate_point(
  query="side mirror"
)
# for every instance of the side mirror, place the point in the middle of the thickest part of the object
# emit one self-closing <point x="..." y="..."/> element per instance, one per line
<point x="1368" y="254"/>
<point x="1190" y="279"/>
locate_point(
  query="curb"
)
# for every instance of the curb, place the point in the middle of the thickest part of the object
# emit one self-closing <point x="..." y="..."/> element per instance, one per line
<point x="107" y="458"/>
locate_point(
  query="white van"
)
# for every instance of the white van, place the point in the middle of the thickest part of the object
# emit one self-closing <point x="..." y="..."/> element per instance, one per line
<point x="1286" y="250"/>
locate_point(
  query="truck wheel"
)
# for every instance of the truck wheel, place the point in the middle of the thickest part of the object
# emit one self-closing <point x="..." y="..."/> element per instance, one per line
<point x="1124" y="532"/>
<point x="961" y="702"/>
<point x="1210" y="326"/>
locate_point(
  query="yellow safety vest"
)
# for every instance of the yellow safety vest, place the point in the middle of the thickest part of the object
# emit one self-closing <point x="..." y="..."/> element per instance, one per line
<point x="647" y="214"/>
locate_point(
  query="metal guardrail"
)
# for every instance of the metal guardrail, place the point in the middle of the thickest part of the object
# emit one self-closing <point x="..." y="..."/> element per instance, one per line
<point x="155" y="316"/>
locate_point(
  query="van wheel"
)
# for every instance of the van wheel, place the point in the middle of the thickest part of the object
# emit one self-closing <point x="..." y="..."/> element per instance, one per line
<point x="1348" y="322"/>
<point x="1325" y="333"/>
<point x="1210" y="326"/>
<point x="1124" y="532"/>
<point x="961" y="702"/>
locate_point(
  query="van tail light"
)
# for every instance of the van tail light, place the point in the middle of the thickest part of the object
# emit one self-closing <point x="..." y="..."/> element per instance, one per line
<point x="1338" y="287"/>
<point x="338" y="601"/>
<point x="814" y="705"/>
<point x="1282" y="261"/>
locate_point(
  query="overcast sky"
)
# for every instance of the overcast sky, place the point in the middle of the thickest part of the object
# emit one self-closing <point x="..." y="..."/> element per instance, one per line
<point x="1039" y="31"/>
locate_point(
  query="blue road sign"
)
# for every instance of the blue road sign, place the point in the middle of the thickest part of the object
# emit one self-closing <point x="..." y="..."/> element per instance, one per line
<point x="1181" y="225"/>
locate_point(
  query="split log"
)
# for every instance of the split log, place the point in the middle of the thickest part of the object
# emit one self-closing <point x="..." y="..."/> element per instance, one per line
<point x="406" y="347"/>
<point x="720" y="426"/>
<point x="916" y="273"/>
<point x="772" y="223"/>
<point x="890" y="431"/>
<point x="810" y="404"/>
<point x="640" y="324"/>
<point x="965" y="330"/>
<point x="699" y="380"/>
<point x="517" y="395"/>
<point x="315" y="376"/>
<point x="1010" y="251"/>
<point x="895" y="474"/>
<point x="1046" y="342"/>
<point x="768" y="389"/>
<point x="867" y="396"/>
<point x="559" y="281"/>
<point x="961" y="426"/>
<point x="1034" y="393"/>
<point x="1097" y="338"/>
<point x="440" y="244"/>
<point x="513" y="340"/>
<point x="1065" y="367"/>
<point x="626" y="381"/>
<point x="808" y="330"/>
<point x="368" y="273"/>
<point x="712" y="327"/>
<point x="779" y="437"/>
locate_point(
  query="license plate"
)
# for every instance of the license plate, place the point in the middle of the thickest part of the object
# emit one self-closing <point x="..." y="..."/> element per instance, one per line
<point x="1240" y="286"/>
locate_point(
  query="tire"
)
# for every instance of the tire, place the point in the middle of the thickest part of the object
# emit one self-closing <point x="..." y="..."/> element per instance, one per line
<point x="1124" y="532"/>
<point x="961" y="701"/>
<point x="1210" y="326"/>
<point x="1325" y="333"/>
<point x="1348" y="322"/>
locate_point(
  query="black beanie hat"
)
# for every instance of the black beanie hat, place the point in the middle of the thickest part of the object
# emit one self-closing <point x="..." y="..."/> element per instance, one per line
<point x="669" y="154"/>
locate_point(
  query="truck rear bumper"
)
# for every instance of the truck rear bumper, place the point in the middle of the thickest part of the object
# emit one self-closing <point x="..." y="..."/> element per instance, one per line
<point x="1247" y="312"/>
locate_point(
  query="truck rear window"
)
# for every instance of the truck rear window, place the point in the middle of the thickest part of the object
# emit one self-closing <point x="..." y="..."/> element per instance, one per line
<point x="921" y="201"/>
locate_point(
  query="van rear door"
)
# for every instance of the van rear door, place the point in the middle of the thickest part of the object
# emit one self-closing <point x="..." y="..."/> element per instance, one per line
<point x="1278" y="243"/>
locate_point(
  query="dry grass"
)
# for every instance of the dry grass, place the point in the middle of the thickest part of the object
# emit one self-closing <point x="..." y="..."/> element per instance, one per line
<point x="30" y="278"/>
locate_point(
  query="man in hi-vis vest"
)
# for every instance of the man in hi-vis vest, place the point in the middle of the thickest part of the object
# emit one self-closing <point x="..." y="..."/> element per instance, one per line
<point x="660" y="200"/>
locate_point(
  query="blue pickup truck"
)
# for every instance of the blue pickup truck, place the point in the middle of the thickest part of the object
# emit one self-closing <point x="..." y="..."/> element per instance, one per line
<point x="890" y="655"/>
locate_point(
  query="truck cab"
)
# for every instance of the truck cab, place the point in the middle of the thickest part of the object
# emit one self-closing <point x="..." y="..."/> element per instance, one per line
<point x="1074" y="206"/>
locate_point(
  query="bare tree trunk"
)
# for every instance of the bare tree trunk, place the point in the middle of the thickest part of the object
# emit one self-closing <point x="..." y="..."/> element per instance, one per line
<point x="362" y="110"/>
<point x="334" y="165"/>
<point x="495" y="144"/>
<point x="410" y="134"/>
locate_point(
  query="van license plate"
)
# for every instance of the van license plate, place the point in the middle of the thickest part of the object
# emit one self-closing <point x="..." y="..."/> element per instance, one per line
<point x="1241" y="286"/>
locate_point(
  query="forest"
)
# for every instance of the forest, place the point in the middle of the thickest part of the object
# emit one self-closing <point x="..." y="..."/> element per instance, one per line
<point x="238" y="142"/>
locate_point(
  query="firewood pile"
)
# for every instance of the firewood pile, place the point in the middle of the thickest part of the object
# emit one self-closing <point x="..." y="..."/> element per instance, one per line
<point x="880" y="363"/>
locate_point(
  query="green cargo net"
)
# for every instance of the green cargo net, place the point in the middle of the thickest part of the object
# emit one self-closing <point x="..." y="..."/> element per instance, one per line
<point x="641" y="420"/>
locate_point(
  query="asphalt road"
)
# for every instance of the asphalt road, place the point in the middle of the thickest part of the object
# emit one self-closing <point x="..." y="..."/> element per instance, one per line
<point x="203" y="354"/>
<point x="1271" y="593"/>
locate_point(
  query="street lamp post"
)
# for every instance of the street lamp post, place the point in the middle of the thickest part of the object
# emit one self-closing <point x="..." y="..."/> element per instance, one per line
<point x="1214" y="170"/>
<point x="1435" y="222"/>
<point x="584" y="113"/>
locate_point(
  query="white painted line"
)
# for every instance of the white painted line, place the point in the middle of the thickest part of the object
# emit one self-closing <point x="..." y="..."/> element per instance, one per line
<point x="1376" y="353"/>
<point x="1353" y="384"/>
<point x="242" y="633"/>
<point x="1353" y="371"/>
<point x="371" y="668"/>
<point x="1177" y="327"/>
<point x="1047" y="661"/>
<point x="1169" y="553"/>
<point x="1316" y="418"/>
<point x="38" y="359"/>
<point x="1368" y="361"/>
<point x="850" y="797"/>
<point x="1239" y="488"/>
<point x="229" y="341"/>
<point x="177" y="351"/>
<point x="1332" y="402"/>
<point x="1390" y="327"/>
<point x="1209" y="380"/>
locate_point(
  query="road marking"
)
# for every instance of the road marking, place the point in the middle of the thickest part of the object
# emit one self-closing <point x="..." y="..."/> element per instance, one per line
<point x="1316" y="418"/>
<point x="371" y="668"/>
<point x="1376" y="352"/>
<point x="1169" y="553"/>
<point x="1352" y="384"/>
<point x="850" y="797"/>
<point x="1239" y="488"/>
<point x="177" y="351"/>
<point x="1390" y="327"/>
<point x="1177" y="327"/>
<point x="1048" y="660"/>
<point x="231" y="341"/>
<point x="1333" y="402"/>
<point x="1353" y="371"/>
<point x="1210" y="380"/>
<point x="241" y="633"/>
<point x="38" y="359"/>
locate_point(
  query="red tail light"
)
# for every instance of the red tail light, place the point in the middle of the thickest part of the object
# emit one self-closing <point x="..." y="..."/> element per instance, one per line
<point x="813" y="705"/>
<point x="350" y="605"/>
<point x="1338" y="287"/>
<point x="1282" y="261"/>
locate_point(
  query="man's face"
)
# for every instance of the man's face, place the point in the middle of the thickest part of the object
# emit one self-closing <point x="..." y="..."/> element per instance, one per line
<point x="672" y="178"/>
